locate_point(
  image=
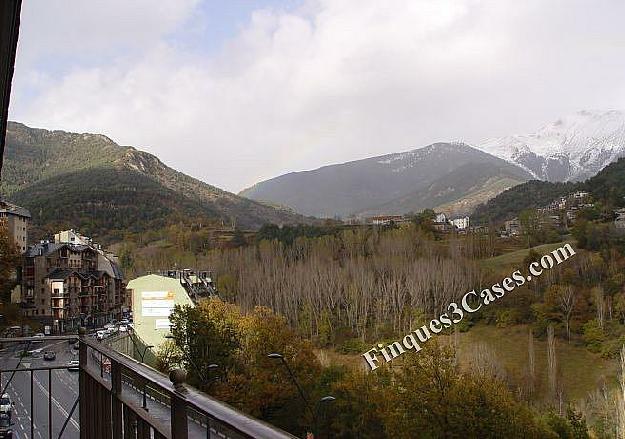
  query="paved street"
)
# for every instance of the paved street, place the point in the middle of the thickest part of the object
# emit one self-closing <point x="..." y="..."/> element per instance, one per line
<point x="64" y="391"/>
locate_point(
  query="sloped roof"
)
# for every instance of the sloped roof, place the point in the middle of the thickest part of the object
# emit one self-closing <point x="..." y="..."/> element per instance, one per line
<point x="49" y="247"/>
<point x="6" y="207"/>
<point x="64" y="273"/>
<point x="60" y="273"/>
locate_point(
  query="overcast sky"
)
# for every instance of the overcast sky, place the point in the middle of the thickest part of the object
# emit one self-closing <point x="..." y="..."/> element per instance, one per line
<point x="237" y="91"/>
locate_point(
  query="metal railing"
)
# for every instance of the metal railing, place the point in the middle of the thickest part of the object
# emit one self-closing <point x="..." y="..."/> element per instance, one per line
<point x="121" y="398"/>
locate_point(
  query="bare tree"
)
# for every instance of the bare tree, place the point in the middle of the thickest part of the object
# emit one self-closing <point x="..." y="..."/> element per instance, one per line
<point x="567" y="298"/>
<point x="598" y="297"/>
<point x="531" y="362"/>
<point x="552" y="364"/>
<point x="621" y="399"/>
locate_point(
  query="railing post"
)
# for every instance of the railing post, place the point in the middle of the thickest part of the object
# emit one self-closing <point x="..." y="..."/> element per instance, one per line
<point x="179" y="418"/>
<point x="116" y="388"/>
<point x="83" y="415"/>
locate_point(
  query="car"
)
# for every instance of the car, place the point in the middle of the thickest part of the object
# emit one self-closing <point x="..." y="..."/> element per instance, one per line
<point x="124" y="322"/>
<point x="6" y="405"/>
<point x="101" y="335"/>
<point x="40" y="336"/>
<point x="122" y="328"/>
<point x="35" y="353"/>
<point x="73" y="365"/>
<point x="109" y="326"/>
<point x="6" y="432"/>
<point x="49" y="356"/>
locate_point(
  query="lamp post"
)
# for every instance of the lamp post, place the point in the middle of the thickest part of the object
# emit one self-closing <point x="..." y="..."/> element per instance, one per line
<point x="325" y="399"/>
<point x="145" y="385"/>
<point x="211" y="367"/>
<point x="145" y="351"/>
<point x="190" y="359"/>
<point x="320" y="403"/>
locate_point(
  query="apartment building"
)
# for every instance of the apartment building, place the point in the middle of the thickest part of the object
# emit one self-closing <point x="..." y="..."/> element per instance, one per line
<point x="461" y="223"/>
<point x="17" y="219"/>
<point x="67" y="285"/>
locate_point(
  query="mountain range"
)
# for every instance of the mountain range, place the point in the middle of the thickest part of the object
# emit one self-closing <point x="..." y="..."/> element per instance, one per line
<point x="88" y="181"/>
<point x="572" y="148"/>
<point x="607" y="187"/>
<point x="452" y="177"/>
<point x="436" y="175"/>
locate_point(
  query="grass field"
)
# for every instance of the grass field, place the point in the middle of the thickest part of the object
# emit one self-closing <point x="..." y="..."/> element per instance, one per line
<point x="510" y="346"/>
<point x="515" y="259"/>
<point x="509" y="349"/>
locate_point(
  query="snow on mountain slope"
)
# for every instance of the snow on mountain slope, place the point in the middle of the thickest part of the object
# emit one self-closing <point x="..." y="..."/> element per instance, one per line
<point x="572" y="148"/>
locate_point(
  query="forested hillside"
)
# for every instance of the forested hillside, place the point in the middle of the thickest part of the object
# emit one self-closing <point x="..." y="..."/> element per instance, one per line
<point x="397" y="183"/>
<point x="344" y="291"/>
<point x="88" y="182"/>
<point x="608" y="187"/>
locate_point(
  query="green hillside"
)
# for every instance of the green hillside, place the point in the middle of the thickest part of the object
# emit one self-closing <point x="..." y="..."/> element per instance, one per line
<point x="608" y="186"/>
<point x="89" y="182"/>
<point x="128" y="202"/>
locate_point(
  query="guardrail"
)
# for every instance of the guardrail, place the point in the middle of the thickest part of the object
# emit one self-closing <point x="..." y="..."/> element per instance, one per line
<point x="111" y="389"/>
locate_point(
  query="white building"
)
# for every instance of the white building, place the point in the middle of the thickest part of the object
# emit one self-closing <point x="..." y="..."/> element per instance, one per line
<point x="461" y="223"/>
<point x="71" y="237"/>
<point x="153" y="299"/>
<point x="440" y="218"/>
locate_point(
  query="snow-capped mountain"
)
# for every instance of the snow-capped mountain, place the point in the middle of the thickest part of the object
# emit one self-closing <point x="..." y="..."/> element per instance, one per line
<point x="431" y="176"/>
<point x="572" y="148"/>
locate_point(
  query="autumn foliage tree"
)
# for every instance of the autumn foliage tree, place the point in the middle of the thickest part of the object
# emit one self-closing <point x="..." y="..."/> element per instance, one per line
<point x="215" y="332"/>
<point x="9" y="261"/>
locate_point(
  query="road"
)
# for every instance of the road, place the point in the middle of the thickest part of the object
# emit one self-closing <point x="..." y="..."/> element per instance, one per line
<point x="64" y="393"/>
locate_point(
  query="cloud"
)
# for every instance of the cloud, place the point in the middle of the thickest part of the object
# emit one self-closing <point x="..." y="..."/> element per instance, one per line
<point x="329" y="81"/>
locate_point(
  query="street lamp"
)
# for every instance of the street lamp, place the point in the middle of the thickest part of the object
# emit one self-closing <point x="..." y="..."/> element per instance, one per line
<point x="276" y="356"/>
<point x="190" y="359"/>
<point x="145" y="351"/>
<point x="325" y="399"/>
<point x="320" y="403"/>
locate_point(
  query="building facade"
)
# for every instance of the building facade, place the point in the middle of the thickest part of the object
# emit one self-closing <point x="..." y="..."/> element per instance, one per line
<point x="67" y="285"/>
<point x="17" y="220"/>
<point x="153" y="299"/>
<point x="461" y="223"/>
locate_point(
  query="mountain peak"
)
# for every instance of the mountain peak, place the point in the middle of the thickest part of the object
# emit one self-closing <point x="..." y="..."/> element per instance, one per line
<point x="571" y="148"/>
<point x="110" y="188"/>
<point x="392" y="183"/>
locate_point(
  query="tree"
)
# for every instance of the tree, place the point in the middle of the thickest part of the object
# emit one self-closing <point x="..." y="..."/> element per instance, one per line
<point x="567" y="298"/>
<point x="9" y="261"/>
<point x="424" y="220"/>
<point x="215" y="332"/>
<point x="433" y="398"/>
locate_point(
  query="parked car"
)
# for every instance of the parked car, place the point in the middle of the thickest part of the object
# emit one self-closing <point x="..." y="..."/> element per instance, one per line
<point x="124" y="322"/>
<point x="122" y="328"/>
<point x="40" y="336"/>
<point x="6" y="405"/>
<point x="35" y="353"/>
<point x="6" y="432"/>
<point x="102" y="335"/>
<point x="73" y="365"/>
<point x="49" y="356"/>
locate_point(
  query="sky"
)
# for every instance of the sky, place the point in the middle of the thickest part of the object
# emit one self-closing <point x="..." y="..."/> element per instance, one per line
<point x="238" y="91"/>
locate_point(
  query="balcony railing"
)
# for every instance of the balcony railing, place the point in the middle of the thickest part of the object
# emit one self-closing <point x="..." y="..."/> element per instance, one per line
<point x="121" y="398"/>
